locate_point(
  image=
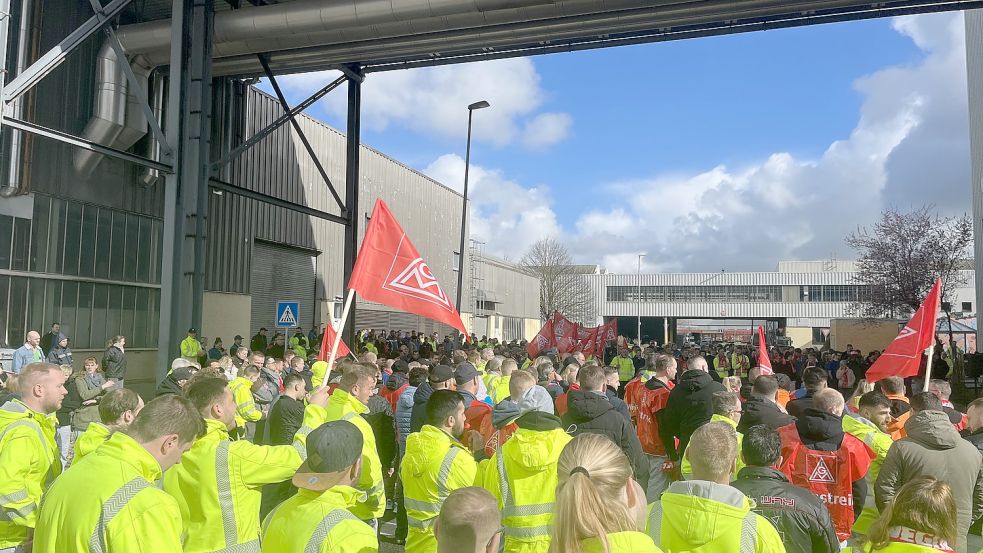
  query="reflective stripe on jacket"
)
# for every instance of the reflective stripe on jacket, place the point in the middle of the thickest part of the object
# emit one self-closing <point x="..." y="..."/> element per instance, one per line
<point x="190" y="348"/>
<point x="318" y="522"/>
<point x="434" y="465"/>
<point x="90" y="440"/>
<point x="704" y="517"/>
<point x="110" y="503"/>
<point x="218" y="483"/>
<point x="29" y="463"/>
<point x="344" y="406"/>
<point x="625" y="366"/>
<point x="522" y="476"/>
<point x="245" y="405"/>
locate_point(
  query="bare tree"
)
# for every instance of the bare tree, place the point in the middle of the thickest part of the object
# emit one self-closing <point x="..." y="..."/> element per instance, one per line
<point x="902" y="255"/>
<point x="563" y="286"/>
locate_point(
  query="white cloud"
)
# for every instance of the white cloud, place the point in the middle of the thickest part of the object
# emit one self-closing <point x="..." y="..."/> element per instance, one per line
<point x="547" y="129"/>
<point x="910" y="147"/>
<point x="505" y="215"/>
<point x="434" y="100"/>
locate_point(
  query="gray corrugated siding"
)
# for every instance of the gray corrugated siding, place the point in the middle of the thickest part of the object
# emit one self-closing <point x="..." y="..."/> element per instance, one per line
<point x="974" y="69"/>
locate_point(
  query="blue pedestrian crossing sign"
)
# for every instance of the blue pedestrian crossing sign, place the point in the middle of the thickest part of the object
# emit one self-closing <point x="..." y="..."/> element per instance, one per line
<point x="287" y="314"/>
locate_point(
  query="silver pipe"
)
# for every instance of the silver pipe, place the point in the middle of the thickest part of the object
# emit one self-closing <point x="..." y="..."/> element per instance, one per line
<point x="15" y="171"/>
<point x="109" y="109"/>
<point x="148" y="176"/>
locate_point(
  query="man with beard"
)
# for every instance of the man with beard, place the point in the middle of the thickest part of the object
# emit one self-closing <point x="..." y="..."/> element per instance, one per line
<point x="436" y="463"/>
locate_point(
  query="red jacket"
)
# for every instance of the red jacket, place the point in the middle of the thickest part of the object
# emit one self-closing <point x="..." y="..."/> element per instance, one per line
<point x="561" y="401"/>
<point x="392" y="396"/>
<point x="634" y="391"/>
<point x="656" y="394"/>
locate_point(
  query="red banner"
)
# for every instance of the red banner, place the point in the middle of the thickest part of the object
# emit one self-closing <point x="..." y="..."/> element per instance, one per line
<point x="327" y="341"/>
<point x="390" y="271"/>
<point x="763" y="360"/>
<point x="903" y="356"/>
<point x="567" y="337"/>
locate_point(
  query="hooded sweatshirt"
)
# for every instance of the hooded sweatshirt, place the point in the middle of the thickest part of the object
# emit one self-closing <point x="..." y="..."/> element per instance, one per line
<point x="690" y="406"/>
<point x="419" y="415"/>
<point x="823" y="431"/>
<point x="934" y="448"/>
<point x="589" y="412"/>
<point x="697" y="516"/>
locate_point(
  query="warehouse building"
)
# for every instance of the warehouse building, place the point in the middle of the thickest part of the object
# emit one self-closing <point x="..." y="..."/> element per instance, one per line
<point x="81" y="235"/>
<point x="797" y="302"/>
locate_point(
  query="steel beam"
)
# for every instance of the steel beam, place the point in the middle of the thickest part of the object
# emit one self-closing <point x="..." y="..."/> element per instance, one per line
<point x="300" y="133"/>
<point x="186" y="190"/>
<point x="54" y="57"/>
<point x="974" y="74"/>
<point x="249" y="143"/>
<point x="223" y="186"/>
<point x="353" y="144"/>
<point x="34" y="128"/>
<point x="4" y="29"/>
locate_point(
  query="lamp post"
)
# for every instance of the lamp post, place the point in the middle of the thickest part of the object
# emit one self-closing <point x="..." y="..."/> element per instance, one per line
<point x="464" y="209"/>
<point x="639" y="299"/>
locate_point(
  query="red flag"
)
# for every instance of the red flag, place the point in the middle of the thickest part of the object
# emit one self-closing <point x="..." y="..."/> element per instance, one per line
<point x="390" y="271"/>
<point x="763" y="360"/>
<point x="542" y="341"/>
<point x="904" y="355"/>
<point x="326" y="343"/>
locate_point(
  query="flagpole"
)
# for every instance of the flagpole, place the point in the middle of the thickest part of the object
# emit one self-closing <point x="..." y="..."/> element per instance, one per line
<point x="928" y="366"/>
<point x="337" y="335"/>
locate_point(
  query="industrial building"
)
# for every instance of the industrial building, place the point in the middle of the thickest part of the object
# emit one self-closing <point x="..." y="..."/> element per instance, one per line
<point x="796" y="301"/>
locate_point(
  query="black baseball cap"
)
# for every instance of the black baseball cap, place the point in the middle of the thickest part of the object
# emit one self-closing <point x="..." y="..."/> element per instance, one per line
<point x="238" y="337"/>
<point x="332" y="449"/>
<point x="441" y="373"/>
<point x="465" y="373"/>
<point x="192" y="330"/>
<point x="401" y="366"/>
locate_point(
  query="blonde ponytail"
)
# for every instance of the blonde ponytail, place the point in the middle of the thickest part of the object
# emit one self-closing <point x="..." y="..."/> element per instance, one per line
<point x="590" y="497"/>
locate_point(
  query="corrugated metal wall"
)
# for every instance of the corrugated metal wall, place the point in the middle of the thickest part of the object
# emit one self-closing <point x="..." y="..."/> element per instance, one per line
<point x="974" y="73"/>
<point x="518" y="291"/>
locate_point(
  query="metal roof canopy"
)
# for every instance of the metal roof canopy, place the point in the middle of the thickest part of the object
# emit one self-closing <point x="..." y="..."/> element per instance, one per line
<point x="395" y="34"/>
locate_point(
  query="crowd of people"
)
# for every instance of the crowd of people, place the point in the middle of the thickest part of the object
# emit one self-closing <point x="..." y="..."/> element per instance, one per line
<point x="474" y="445"/>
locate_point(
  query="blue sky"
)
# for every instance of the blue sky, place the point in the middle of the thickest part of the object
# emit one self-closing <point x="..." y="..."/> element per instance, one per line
<point x="766" y="120"/>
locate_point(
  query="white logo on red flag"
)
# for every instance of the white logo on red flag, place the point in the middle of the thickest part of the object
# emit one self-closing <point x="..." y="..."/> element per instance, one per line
<point x="417" y="280"/>
<point x="905" y="332"/>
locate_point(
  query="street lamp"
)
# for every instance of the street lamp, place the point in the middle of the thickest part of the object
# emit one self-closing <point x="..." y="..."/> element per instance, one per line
<point x="464" y="209"/>
<point x="639" y="298"/>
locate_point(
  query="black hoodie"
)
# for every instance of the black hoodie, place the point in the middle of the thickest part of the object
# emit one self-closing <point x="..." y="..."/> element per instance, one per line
<point x="592" y="412"/>
<point x="690" y="406"/>
<point x="758" y="410"/>
<point x="418" y="417"/>
<point x="821" y="431"/>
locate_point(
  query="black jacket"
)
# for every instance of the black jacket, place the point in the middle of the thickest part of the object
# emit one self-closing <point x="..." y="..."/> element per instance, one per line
<point x="689" y="407"/>
<point x="618" y="403"/>
<point x="590" y="412"/>
<point x="799" y="516"/>
<point x="168" y="386"/>
<point x="418" y="417"/>
<point x="822" y="431"/>
<point x="114" y="363"/>
<point x="286" y="418"/>
<point x="762" y="411"/>
<point x="797" y="407"/>
<point x="975" y="438"/>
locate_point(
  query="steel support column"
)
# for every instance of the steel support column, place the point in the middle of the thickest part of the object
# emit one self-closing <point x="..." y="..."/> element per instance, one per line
<point x="186" y="190"/>
<point x="355" y="77"/>
<point x="974" y="79"/>
<point x="4" y="29"/>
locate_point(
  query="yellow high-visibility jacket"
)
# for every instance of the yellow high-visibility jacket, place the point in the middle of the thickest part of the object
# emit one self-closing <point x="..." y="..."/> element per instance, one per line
<point x="29" y="463"/>
<point x="217" y="484"/>
<point x="864" y="430"/>
<point x="435" y="464"/>
<point x="245" y="404"/>
<point x="190" y="348"/>
<point x="704" y="517"/>
<point x="94" y="436"/>
<point x="499" y="388"/>
<point x="522" y="476"/>
<point x="343" y="406"/>
<point x="318" y="521"/>
<point x="109" y="503"/>
<point x="687" y="468"/>
<point x="625" y="366"/>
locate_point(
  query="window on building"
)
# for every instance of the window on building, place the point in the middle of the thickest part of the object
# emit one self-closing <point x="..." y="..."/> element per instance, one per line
<point x="693" y="294"/>
<point x="967" y="306"/>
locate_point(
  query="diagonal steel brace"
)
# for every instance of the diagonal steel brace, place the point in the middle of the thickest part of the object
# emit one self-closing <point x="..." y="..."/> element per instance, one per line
<point x="252" y="140"/>
<point x="300" y="132"/>
<point x="54" y="57"/>
<point x="148" y="112"/>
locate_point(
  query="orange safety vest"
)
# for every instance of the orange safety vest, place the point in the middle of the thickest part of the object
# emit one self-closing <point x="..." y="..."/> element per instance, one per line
<point x="828" y="474"/>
